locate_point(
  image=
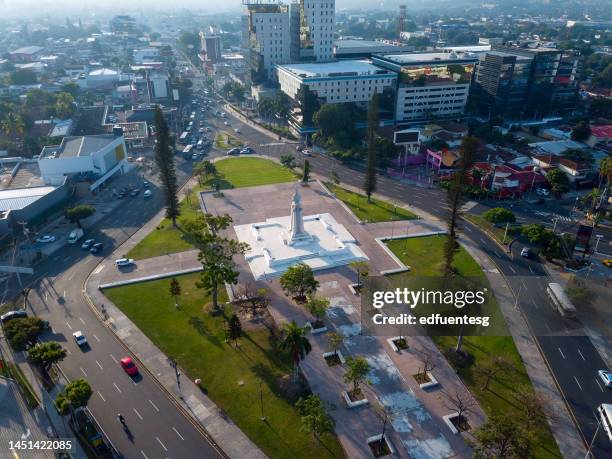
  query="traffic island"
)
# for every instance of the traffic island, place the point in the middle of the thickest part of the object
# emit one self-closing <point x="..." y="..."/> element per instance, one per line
<point x="354" y="399"/>
<point x="334" y="358"/>
<point x="456" y="423"/>
<point x="426" y="380"/>
<point x="398" y="343"/>
<point x="380" y="446"/>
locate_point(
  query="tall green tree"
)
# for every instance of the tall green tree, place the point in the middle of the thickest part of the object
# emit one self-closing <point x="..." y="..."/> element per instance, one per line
<point x="299" y="281"/>
<point x="558" y="181"/>
<point x="315" y="418"/>
<point x="357" y="369"/>
<point x="46" y="354"/>
<point x="317" y="306"/>
<point x="296" y="343"/>
<point x="77" y="213"/>
<point x="502" y="437"/>
<point x="581" y="132"/>
<point x="216" y="255"/>
<point x="23" y="333"/>
<point x="369" y="185"/>
<point x="175" y="290"/>
<point x="234" y="329"/>
<point x="164" y="160"/>
<point x="12" y="125"/>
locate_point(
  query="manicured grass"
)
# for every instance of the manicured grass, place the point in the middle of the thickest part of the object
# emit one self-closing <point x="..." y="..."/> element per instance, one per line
<point x="231" y="377"/>
<point x="373" y="211"/>
<point x="496" y="232"/>
<point x="233" y="173"/>
<point x="425" y="255"/>
<point x="10" y="370"/>
<point x="226" y="141"/>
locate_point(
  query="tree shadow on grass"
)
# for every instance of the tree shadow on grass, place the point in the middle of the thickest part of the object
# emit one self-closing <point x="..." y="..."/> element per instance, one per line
<point x="199" y="326"/>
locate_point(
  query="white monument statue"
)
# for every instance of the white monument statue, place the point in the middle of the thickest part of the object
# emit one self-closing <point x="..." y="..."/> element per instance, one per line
<point x="278" y="243"/>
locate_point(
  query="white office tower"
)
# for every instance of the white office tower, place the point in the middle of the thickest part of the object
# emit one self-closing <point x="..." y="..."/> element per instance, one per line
<point x="317" y="30"/>
<point x="269" y="33"/>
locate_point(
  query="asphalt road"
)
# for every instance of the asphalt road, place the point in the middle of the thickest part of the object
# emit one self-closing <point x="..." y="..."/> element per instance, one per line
<point x="571" y="356"/>
<point x="157" y="429"/>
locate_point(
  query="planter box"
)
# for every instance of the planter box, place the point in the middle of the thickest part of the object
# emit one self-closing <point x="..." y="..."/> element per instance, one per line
<point x="337" y="354"/>
<point x="354" y="288"/>
<point x="379" y="437"/>
<point x="391" y="342"/>
<point x="433" y="382"/>
<point x="449" y="418"/>
<point x="353" y="404"/>
<point x="316" y="331"/>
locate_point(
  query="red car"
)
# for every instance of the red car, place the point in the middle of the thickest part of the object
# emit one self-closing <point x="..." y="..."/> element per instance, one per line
<point x="128" y="366"/>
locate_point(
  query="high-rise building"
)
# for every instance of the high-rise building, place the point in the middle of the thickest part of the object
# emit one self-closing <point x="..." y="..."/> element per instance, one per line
<point x="523" y="82"/>
<point x="211" y="46"/>
<point x="317" y="30"/>
<point x="430" y="85"/>
<point x="269" y="33"/>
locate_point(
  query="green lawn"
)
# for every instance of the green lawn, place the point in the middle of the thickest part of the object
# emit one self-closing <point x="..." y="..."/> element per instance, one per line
<point x="231" y="377"/>
<point x="495" y="231"/>
<point x="233" y="173"/>
<point x="424" y="255"/>
<point x="374" y="211"/>
<point x="226" y="141"/>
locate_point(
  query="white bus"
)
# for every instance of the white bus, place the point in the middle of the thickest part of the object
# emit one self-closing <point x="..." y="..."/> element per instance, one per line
<point x="183" y="137"/>
<point x="604" y="411"/>
<point x="560" y="300"/>
<point x="187" y="149"/>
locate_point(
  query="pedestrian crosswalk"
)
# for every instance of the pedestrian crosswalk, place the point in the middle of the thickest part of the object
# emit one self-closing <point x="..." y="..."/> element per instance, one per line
<point x="553" y="216"/>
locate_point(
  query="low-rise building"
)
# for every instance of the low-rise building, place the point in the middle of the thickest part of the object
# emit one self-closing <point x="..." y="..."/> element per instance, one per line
<point x="354" y="48"/>
<point x="27" y="54"/>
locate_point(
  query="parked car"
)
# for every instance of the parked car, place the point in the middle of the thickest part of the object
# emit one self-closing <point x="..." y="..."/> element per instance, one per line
<point x="147" y="194"/>
<point x="80" y="339"/>
<point x="233" y="152"/>
<point x="124" y="262"/>
<point x="607" y="262"/>
<point x="606" y="377"/>
<point x="87" y="244"/>
<point x="47" y="238"/>
<point x="128" y="366"/>
<point x="134" y="192"/>
<point x="96" y="248"/>
<point x="525" y="252"/>
<point x="146" y="184"/>
<point x="18" y="314"/>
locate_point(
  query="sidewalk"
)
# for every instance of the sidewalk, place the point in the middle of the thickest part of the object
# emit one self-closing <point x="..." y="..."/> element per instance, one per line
<point x="45" y="414"/>
<point x="257" y="126"/>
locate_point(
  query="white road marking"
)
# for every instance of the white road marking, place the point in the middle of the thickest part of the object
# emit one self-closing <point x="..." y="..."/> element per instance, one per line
<point x="113" y="357"/>
<point x="64" y="294"/>
<point x="523" y="284"/>
<point x="69" y="326"/>
<point x="581" y="356"/>
<point x="96" y="338"/>
<point x="561" y="352"/>
<point x="599" y="385"/>
<point x="547" y="326"/>
<point x="71" y="276"/>
<point x="154" y="406"/>
<point x="83" y="371"/>
<point x="530" y="270"/>
<point x="82" y="321"/>
<point x="117" y="387"/>
<point x="137" y="413"/>
<point x="512" y="269"/>
<point x="66" y="259"/>
<point x="103" y="399"/>
<point x="483" y="241"/>
<point x="99" y="365"/>
<point x="535" y="305"/>
<point x="177" y="432"/>
<point x="144" y="455"/>
<point x="68" y="351"/>
<point x="575" y="379"/>
<point x="162" y="445"/>
<point x="46" y="296"/>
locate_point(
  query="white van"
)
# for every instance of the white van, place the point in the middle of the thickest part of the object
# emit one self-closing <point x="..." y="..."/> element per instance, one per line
<point x="75" y="235"/>
<point x="604" y="411"/>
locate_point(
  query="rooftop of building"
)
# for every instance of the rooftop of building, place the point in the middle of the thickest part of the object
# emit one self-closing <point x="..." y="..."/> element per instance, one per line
<point x="76" y="146"/>
<point x="18" y="173"/>
<point x="347" y="43"/>
<point x="602" y="131"/>
<point x="334" y="69"/>
<point x="28" y="50"/>
<point x="429" y="58"/>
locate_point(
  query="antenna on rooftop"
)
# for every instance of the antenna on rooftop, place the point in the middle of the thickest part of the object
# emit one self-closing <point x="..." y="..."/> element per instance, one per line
<point x="401" y="21"/>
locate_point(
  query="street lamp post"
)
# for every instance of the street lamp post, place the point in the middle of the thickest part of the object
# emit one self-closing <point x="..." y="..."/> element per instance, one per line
<point x="599" y="237"/>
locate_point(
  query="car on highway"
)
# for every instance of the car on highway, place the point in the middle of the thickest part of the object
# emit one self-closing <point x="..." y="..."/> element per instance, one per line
<point x="147" y="193"/>
<point x="87" y="244"/>
<point x="47" y="238"/>
<point x="146" y="184"/>
<point x="237" y="131"/>
<point x="96" y="248"/>
<point x="525" y="252"/>
<point x="299" y="147"/>
<point x="80" y="339"/>
<point x="134" y="192"/>
<point x="607" y="262"/>
<point x="225" y="123"/>
<point x="542" y="191"/>
<point x="18" y="314"/>
<point x="536" y="201"/>
<point x="129" y="366"/>
<point x="247" y="151"/>
<point x="233" y="152"/>
<point x="124" y="262"/>
<point x="606" y="377"/>
<point x="306" y="152"/>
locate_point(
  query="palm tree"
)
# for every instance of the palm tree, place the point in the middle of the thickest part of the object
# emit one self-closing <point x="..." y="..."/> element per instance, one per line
<point x="297" y="344"/>
<point x="12" y="125"/>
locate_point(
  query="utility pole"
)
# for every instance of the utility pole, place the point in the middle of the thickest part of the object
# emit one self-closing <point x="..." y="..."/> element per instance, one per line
<point x="262" y="417"/>
<point x="506" y="232"/>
